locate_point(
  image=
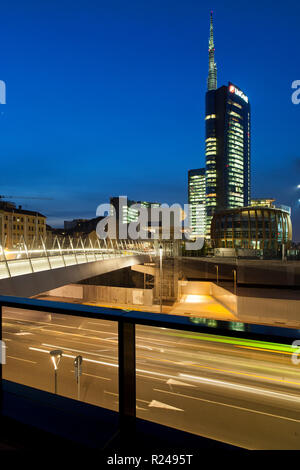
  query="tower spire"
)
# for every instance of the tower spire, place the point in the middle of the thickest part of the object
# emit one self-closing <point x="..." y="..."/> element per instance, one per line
<point x="212" y="66"/>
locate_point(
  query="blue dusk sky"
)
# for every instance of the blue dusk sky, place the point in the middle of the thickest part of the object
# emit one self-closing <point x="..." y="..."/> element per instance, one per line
<point x="107" y="98"/>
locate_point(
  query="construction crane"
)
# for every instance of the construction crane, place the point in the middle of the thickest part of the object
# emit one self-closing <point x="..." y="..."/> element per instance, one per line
<point x="25" y="197"/>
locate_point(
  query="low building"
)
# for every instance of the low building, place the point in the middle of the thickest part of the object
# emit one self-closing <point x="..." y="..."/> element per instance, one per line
<point x="71" y="224"/>
<point x="18" y="225"/>
<point x="263" y="202"/>
<point x="252" y="228"/>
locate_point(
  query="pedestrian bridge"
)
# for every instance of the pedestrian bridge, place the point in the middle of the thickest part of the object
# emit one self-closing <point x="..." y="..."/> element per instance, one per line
<point x="27" y="271"/>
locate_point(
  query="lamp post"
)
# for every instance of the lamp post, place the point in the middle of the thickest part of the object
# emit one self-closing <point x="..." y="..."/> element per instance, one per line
<point x="160" y="276"/>
<point x="55" y="357"/>
<point x="217" y="268"/>
<point x="234" y="281"/>
<point x="78" y="371"/>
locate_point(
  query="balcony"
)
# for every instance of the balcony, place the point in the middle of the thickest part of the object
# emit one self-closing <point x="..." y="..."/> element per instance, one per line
<point x="136" y="390"/>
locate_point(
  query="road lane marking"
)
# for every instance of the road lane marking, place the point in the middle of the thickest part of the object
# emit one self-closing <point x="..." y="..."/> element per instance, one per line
<point x="55" y="325"/>
<point x="101" y="324"/>
<point x="70" y="349"/>
<point x="229" y="406"/>
<point x="159" y="404"/>
<point x="263" y="349"/>
<point x="91" y="375"/>
<point x="76" y="334"/>
<point x="192" y="365"/>
<point x="20" y="359"/>
<point x="81" y="342"/>
<point x="178" y="382"/>
<point x="73" y="357"/>
<point x="228" y="371"/>
<point x="152" y="378"/>
<point x="247" y="388"/>
<point x="117" y="395"/>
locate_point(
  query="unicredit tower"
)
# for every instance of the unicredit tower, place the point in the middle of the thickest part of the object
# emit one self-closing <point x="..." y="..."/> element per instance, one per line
<point x="227" y="143"/>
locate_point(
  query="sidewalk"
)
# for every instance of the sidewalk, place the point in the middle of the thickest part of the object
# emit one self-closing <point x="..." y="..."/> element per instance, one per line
<point x="206" y="307"/>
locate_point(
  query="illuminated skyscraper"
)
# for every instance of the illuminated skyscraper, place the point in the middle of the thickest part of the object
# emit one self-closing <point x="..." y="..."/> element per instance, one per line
<point x="126" y="209"/>
<point x="212" y="66"/>
<point x="196" y="185"/>
<point x="227" y="144"/>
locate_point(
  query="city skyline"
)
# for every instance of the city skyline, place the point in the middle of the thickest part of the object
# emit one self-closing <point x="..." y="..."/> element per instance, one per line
<point x="93" y="101"/>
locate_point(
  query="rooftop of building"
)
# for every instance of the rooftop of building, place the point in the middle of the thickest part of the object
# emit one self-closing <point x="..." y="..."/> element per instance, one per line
<point x="273" y="207"/>
<point x="12" y="208"/>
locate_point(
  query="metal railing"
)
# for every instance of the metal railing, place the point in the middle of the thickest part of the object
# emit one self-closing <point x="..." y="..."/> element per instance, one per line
<point x="43" y="254"/>
<point x="126" y="336"/>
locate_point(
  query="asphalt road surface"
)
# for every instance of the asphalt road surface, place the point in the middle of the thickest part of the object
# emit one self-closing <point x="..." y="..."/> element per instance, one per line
<point x="239" y="394"/>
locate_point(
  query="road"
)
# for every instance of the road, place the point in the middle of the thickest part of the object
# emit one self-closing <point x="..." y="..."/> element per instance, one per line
<point x="233" y="391"/>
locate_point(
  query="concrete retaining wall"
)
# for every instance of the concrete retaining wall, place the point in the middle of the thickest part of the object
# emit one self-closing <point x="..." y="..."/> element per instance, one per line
<point x="120" y="295"/>
<point x="248" y="308"/>
<point x="267" y="310"/>
<point x="223" y="296"/>
<point x="74" y="291"/>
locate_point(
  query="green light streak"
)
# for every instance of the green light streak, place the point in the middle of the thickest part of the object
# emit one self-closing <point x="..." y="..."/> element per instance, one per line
<point x="238" y="342"/>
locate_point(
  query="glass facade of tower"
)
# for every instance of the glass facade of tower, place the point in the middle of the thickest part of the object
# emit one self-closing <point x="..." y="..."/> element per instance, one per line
<point x="125" y="210"/>
<point x="197" y="214"/>
<point x="227" y="150"/>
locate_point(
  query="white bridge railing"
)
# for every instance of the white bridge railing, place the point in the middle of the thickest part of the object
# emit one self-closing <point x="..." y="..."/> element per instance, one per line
<point x="43" y="254"/>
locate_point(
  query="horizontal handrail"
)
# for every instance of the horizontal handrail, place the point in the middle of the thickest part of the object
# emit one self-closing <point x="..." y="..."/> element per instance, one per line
<point x="127" y="321"/>
<point x="144" y="318"/>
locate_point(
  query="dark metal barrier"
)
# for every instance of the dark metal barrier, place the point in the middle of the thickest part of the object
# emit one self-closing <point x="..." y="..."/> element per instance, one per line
<point x="127" y="320"/>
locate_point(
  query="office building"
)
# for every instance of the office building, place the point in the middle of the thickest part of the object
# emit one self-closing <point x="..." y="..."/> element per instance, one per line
<point x="125" y="211"/>
<point x="227" y="144"/>
<point x="196" y="189"/>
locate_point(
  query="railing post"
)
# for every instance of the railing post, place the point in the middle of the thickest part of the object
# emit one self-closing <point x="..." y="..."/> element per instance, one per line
<point x="92" y="249"/>
<point x="83" y="247"/>
<point x="46" y="252"/>
<point x="106" y="247"/>
<point x="5" y="260"/>
<point x="113" y="249"/>
<point x="127" y="376"/>
<point x="27" y="254"/>
<point x="72" y="246"/>
<point x="100" y="249"/>
<point x="77" y="249"/>
<point x="61" y="253"/>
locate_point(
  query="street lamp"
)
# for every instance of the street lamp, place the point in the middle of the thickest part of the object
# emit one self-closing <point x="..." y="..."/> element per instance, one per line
<point x="160" y="276"/>
<point x="217" y="268"/>
<point x="234" y="280"/>
<point x="55" y="357"/>
<point x="77" y="370"/>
